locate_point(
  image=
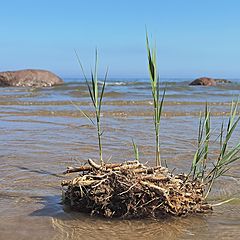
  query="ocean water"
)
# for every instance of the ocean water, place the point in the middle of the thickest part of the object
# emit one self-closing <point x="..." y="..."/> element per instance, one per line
<point x="42" y="132"/>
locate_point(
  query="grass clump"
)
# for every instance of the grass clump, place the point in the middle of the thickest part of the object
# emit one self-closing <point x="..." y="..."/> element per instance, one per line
<point x="226" y="155"/>
<point x="199" y="162"/>
<point x="132" y="189"/>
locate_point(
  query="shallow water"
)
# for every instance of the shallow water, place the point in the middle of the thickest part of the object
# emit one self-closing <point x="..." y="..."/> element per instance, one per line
<point x="41" y="133"/>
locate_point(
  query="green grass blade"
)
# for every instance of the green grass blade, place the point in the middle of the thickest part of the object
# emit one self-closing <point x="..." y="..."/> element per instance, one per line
<point x="85" y="77"/>
<point x="226" y="157"/>
<point x="95" y="77"/>
<point x="90" y="93"/>
<point x="95" y="97"/>
<point x="206" y="142"/>
<point x="80" y="63"/>
<point x="150" y="62"/>
<point x="230" y="130"/>
<point x="221" y="136"/>
<point x="234" y="112"/>
<point x="96" y="64"/>
<point x="199" y="161"/>
<point x="155" y="89"/>
<point x="161" y="104"/>
<point x="102" y="91"/>
<point x="231" y="153"/>
<point x="135" y="149"/>
<point x="222" y="172"/>
<point x="85" y="115"/>
<point x="96" y="100"/>
<point x="200" y="130"/>
<point x="158" y="89"/>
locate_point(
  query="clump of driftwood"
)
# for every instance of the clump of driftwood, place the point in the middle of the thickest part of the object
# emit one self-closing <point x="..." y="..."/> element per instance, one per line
<point x="131" y="189"/>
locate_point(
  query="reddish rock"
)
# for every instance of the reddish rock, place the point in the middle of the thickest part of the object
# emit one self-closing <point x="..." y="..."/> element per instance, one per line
<point x="204" y="81"/>
<point x="29" y="78"/>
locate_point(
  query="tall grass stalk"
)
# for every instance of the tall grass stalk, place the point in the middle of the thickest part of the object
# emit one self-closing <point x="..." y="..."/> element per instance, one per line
<point x="157" y="102"/>
<point x="96" y="94"/>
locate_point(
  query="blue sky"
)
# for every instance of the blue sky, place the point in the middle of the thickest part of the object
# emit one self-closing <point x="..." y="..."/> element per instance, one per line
<point x="193" y="37"/>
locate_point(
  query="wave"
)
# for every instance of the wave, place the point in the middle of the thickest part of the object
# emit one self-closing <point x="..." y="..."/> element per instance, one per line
<point x="114" y="83"/>
<point x="130" y="82"/>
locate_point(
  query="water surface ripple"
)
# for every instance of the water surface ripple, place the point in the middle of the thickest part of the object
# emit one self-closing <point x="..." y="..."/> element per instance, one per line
<point x="42" y="132"/>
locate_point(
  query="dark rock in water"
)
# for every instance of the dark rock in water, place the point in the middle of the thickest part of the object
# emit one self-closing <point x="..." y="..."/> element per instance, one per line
<point x="204" y="81"/>
<point x="221" y="80"/>
<point x="29" y="78"/>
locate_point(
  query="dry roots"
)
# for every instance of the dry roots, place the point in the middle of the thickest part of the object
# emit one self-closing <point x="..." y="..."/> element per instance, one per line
<point x="131" y="189"/>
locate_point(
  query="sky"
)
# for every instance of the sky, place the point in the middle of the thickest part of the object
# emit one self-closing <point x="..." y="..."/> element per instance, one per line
<point x="193" y="37"/>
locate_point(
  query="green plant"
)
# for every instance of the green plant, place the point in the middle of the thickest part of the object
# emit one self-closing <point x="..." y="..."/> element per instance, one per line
<point x="226" y="156"/>
<point x="157" y="102"/>
<point x="200" y="158"/>
<point x="96" y="94"/>
<point x="135" y="149"/>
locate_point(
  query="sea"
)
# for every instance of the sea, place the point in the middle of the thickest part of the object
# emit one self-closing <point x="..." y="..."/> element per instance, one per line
<point x="43" y="131"/>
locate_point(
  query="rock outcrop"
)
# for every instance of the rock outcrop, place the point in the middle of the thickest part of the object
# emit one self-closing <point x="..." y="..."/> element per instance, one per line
<point x="221" y="80"/>
<point x="204" y="81"/>
<point x="29" y="78"/>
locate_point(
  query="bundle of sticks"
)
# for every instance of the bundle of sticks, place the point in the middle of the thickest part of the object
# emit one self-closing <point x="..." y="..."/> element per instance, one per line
<point x="132" y="190"/>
